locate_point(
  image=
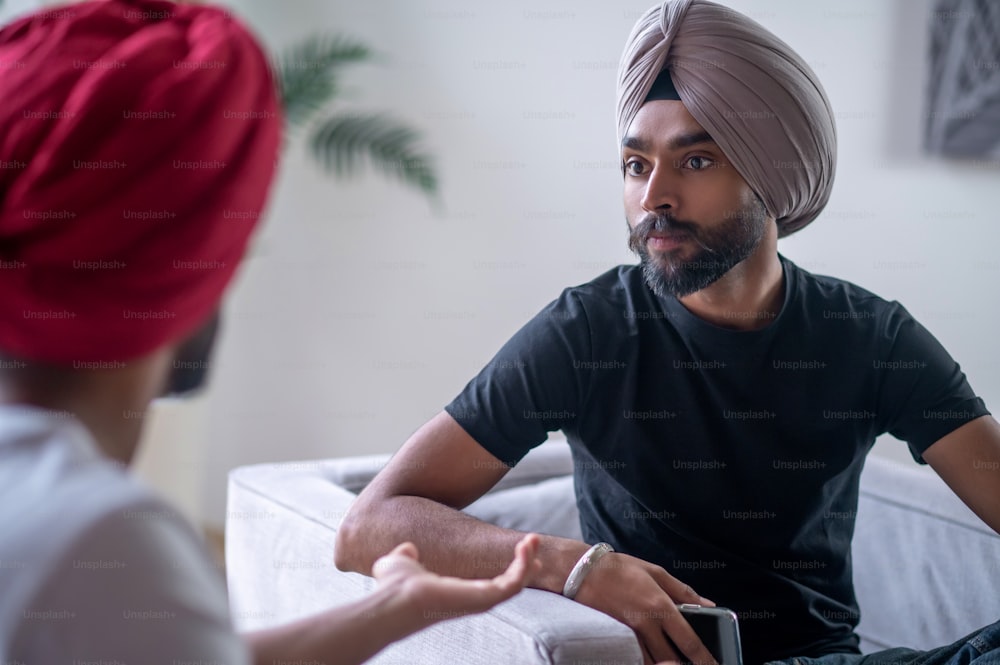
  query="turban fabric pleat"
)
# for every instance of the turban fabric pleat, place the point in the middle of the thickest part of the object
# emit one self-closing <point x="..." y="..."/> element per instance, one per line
<point x="138" y="142"/>
<point x="757" y="98"/>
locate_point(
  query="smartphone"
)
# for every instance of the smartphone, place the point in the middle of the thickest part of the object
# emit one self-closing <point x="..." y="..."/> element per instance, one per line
<point x="718" y="629"/>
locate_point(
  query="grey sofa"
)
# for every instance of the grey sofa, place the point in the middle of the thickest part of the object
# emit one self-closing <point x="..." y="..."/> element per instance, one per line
<point x="927" y="570"/>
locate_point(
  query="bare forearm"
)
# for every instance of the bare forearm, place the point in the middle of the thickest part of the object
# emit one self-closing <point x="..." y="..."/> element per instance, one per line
<point x="450" y="542"/>
<point x="345" y="635"/>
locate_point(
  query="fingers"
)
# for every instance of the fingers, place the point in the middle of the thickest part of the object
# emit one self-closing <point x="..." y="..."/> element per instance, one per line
<point x="464" y="596"/>
<point x="406" y="549"/>
<point x="656" y="645"/>
<point x="685" y="639"/>
<point x="682" y="642"/>
<point x="644" y="597"/>
<point x="403" y="555"/>
<point x="678" y="591"/>
<point x="511" y="581"/>
<point x="514" y="578"/>
<point x="526" y="551"/>
<point x="528" y="545"/>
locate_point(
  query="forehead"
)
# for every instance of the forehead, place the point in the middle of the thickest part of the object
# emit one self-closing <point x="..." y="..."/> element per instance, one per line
<point x="661" y="120"/>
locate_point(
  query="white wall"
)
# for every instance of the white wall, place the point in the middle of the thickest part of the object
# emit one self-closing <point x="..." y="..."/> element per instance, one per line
<point x="364" y="311"/>
<point x="10" y="9"/>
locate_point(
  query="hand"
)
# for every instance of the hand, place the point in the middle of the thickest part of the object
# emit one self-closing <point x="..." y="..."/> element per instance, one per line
<point x="644" y="597"/>
<point x="437" y="597"/>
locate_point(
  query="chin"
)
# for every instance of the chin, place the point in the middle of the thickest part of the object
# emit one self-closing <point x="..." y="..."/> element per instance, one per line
<point x="668" y="262"/>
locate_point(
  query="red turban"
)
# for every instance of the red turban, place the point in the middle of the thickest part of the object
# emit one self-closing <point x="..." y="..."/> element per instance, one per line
<point x="138" y="140"/>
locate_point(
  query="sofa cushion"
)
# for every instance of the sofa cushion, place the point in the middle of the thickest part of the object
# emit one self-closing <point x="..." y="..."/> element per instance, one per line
<point x="925" y="566"/>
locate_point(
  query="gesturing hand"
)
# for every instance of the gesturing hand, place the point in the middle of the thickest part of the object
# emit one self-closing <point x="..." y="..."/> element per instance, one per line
<point x="437" y="597"/>
<point x="644" y="597"/>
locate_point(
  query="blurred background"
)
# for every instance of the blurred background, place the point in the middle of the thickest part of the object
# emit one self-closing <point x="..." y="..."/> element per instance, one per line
<point x="366" y="306"/>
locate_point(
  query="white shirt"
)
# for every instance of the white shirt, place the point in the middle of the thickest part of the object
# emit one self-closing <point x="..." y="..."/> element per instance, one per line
<point x="94" y="569"/>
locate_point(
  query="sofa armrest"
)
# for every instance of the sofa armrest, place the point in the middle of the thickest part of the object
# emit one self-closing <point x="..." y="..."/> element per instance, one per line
<point x="279" y="547"/>
<point x="534" y="627"/>
<point x="549" y="460"/>
<point x="281" y="527"/>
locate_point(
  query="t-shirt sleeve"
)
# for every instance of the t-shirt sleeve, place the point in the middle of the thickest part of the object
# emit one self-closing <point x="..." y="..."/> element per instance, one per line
<point x="135" y="587"/>
<point x="923" y="390"/>
<point x="532" y="385"/>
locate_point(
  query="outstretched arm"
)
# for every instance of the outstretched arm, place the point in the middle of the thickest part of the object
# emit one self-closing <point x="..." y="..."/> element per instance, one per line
<point x="408" y="598"/>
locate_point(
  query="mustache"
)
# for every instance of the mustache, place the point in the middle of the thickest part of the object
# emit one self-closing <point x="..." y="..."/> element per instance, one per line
<point x="660" y="222"/>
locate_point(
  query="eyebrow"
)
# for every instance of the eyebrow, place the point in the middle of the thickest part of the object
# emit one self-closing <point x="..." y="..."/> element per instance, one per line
<point x="676" y="143"/>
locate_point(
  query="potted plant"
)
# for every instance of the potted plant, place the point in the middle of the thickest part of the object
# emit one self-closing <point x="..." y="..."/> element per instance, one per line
<point x="343" y="143"/>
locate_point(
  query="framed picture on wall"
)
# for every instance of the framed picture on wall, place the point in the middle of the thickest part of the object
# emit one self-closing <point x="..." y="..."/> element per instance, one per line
<point x="963" y="118"/>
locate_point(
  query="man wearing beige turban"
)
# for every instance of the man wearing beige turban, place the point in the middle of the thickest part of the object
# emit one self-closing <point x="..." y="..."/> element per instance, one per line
<point x="719" y="401"/>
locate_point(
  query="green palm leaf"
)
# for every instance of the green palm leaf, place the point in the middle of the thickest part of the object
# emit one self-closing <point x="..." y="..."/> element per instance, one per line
<point x="343" y="143"/>
<point x="307" y="73"/>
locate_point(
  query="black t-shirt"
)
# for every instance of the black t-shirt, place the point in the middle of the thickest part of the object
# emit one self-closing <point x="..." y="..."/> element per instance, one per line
<point x="730" y="458"/>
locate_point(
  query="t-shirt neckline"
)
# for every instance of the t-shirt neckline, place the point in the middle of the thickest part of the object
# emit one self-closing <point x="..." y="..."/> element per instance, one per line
<point x="684" y="318"/>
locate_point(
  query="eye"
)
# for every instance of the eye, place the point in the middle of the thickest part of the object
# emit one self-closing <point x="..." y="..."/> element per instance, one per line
<point x="699" y="163"/>
<point x="633" y="167"/>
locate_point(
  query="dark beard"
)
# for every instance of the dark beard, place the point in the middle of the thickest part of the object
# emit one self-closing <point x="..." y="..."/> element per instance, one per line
<point x="720" y="248"/>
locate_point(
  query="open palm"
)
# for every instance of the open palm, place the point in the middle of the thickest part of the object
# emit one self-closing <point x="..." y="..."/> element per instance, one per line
<point x="440" y="597"/>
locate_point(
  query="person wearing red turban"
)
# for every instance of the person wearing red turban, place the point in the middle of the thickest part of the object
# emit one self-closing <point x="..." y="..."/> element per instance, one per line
<point x="139" y="144"/>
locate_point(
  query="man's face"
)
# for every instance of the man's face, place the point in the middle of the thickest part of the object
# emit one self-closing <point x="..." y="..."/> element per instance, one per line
<point x="692" y="217"/>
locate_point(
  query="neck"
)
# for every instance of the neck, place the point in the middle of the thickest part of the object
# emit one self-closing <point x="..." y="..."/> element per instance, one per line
<point x="99" y="399"/>
<point x="749" y="296"/>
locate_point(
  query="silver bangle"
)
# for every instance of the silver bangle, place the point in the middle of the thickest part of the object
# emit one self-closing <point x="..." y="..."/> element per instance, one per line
<point x="583" y="567"/>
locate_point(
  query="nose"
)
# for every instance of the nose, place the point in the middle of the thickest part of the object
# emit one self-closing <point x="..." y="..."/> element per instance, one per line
<point x="660" y="191"/>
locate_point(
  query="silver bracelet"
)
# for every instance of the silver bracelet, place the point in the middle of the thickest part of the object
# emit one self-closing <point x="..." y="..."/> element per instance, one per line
<point x="583" y="567"/>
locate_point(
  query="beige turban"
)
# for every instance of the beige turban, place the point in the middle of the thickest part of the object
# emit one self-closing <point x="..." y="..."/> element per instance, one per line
<point x="758" y="99"/>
